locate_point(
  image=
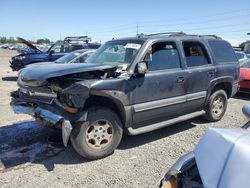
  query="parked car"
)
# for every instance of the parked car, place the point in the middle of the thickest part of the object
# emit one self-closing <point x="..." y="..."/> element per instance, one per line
<point x="56" y="51"/>
<point x="221" y="159"/>
<point x="241" y="55"/>
<point x="78" y="56"/>
<point x="132" y="85"/>
<point x="26" y="50"/>
<point x="245" y="76"/>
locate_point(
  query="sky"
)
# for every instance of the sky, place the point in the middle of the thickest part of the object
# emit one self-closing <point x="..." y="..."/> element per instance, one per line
<point x="102" y="20"/>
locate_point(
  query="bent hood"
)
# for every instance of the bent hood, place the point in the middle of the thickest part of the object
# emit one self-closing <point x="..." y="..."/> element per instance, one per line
<point x="39" y="73"/>
<point x="29" y="44"/>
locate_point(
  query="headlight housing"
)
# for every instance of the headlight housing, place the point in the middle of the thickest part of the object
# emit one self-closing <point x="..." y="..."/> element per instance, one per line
<point x="21" y="57"/>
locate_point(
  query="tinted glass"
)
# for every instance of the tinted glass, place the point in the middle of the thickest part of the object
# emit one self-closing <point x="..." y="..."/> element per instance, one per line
<point x="162" y="56"/>
<point x="117" y="52"/>
<point x="76" y="47"/>
<point x="239" y="55"/>
<point x="245" y="63"/>
<point x="60" y="48"/>
<point x="67" y="58"/>
<point x="223" y="51"/>
<point x="195" y="53"/>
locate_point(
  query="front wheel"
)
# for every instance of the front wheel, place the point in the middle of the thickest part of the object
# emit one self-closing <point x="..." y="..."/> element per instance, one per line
<point x="216" y="106"/>
<point x="99" y="136"/>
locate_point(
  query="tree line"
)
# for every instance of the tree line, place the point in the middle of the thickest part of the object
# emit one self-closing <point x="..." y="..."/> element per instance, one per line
<point x="13" y="40"/>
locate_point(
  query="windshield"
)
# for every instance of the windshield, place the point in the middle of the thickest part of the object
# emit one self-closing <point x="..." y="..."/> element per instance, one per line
<point x="245" y="63"/>
<point x="69" y="57"/>
<point x="240" y="55"/>
<point x="117" y="52"/>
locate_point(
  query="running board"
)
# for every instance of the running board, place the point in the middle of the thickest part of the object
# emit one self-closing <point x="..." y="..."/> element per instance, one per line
<point x="162" y="124"/>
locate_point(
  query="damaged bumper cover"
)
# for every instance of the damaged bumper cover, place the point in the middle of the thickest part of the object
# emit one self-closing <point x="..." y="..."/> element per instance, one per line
<point x="47" y="116"/>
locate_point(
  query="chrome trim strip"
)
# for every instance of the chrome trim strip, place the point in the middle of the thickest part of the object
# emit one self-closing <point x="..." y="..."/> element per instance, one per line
<point x="158" y="104"/>
<point x="168" y="102"/>
<point x="195" y="96"/>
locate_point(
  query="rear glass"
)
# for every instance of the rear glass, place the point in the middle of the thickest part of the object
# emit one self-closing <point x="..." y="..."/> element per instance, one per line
<point x="223" y="51"/>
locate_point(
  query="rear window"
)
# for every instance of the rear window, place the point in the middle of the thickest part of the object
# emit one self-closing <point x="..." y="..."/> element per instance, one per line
<point x="223" y="51"/>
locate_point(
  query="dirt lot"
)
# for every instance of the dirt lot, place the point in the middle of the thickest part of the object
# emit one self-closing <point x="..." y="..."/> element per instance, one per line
<point x="27" y="159"/>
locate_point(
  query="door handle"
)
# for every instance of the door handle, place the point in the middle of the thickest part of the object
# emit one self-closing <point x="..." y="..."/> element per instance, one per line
<point x="210" y="74"/>
<point x="180" y="79"/>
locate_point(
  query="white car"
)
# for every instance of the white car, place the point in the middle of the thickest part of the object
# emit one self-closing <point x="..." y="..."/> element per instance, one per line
<point x="241" y="55"/>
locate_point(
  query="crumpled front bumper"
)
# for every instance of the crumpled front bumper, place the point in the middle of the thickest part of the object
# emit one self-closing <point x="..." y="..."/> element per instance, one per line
<point x="16" y="65"/>
<point x="46" y="116"/>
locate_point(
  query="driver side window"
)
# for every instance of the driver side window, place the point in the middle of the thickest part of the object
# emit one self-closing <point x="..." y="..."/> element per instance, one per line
<point x="162" y="56"/>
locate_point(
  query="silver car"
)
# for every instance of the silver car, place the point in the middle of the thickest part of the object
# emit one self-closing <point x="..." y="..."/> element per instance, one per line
<point x="221" y="159"/>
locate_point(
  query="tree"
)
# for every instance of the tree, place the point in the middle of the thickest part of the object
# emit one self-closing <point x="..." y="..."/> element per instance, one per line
<point x="242" y="45"/>
<point x="42" y="41"/>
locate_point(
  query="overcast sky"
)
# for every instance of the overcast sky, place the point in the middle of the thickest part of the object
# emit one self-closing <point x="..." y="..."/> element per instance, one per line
<point x="102" y="20"/>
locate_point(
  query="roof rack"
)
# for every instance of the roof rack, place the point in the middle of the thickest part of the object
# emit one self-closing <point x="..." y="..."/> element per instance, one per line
<point x="213" y="36"/>
<point x="168" y="33"/>
<point x="77" y="39"/>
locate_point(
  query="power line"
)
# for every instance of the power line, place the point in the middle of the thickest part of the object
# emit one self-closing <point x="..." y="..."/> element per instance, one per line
<point x="199" y="17"/>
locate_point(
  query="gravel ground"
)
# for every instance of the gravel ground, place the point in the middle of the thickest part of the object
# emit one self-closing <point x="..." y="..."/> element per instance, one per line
<point x="29" y="160"/>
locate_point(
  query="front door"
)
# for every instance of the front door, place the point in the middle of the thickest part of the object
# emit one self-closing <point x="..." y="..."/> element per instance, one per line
<point x="160" y="93"/>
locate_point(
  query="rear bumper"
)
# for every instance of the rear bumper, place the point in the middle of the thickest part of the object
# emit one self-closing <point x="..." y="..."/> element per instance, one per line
<point x="48" y="117"/>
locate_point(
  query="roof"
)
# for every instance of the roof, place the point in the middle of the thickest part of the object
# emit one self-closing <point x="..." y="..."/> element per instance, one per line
<point x="175" y="35"/>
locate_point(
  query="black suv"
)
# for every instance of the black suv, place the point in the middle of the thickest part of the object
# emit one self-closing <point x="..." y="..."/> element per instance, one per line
<point x="52" y="53"/>
<point x="132" y="85"/>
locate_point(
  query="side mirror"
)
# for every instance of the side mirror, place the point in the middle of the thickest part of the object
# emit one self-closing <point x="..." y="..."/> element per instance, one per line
<point x="141" y="68"/>
<point x="51" y="52"/>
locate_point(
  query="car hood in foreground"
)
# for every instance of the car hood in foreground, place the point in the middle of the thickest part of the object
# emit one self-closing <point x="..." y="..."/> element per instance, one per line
<point x="29" y="44"/>
<point x="222" y="158"/>
<point x="40" y="72"/>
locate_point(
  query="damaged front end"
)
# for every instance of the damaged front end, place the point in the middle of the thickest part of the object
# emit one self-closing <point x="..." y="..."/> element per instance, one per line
<point x="57" y="98"/>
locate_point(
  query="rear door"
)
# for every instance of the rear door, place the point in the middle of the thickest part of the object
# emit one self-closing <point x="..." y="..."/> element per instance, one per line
<point x="200" y="71"/>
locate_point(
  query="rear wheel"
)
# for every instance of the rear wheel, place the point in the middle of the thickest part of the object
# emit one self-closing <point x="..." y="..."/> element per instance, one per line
<point x="99" y="136"/>
<point x="216" y="106"/>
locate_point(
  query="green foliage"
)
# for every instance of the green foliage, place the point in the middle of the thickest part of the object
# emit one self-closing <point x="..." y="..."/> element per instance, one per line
<point x="42" y="41"/>
<point x="243" y="44"/>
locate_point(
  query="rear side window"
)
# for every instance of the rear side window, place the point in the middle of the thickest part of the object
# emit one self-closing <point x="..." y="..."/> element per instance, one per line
<point x="223" y="51"/>
<point x="195" y="53"/>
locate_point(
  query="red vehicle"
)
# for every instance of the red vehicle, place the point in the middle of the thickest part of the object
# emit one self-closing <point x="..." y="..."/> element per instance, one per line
<point x="245" y="76"/>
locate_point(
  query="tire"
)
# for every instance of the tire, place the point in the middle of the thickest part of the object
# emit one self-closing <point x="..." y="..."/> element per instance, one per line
<point x="216" y="107"/>
<point x="99" y="136"/>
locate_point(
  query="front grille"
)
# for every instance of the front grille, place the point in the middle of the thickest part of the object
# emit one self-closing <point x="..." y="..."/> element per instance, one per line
<point x="39" y="94"/>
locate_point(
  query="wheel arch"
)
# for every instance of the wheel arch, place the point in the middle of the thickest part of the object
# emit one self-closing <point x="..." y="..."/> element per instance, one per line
<point x="115" y="105"/>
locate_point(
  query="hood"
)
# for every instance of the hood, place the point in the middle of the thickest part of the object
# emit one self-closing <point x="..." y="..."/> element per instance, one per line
<point x="245" y="73"/>
<point x="29" y="44"/>
<point x="39" y="73"/>
<point x="222" y="158"/>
